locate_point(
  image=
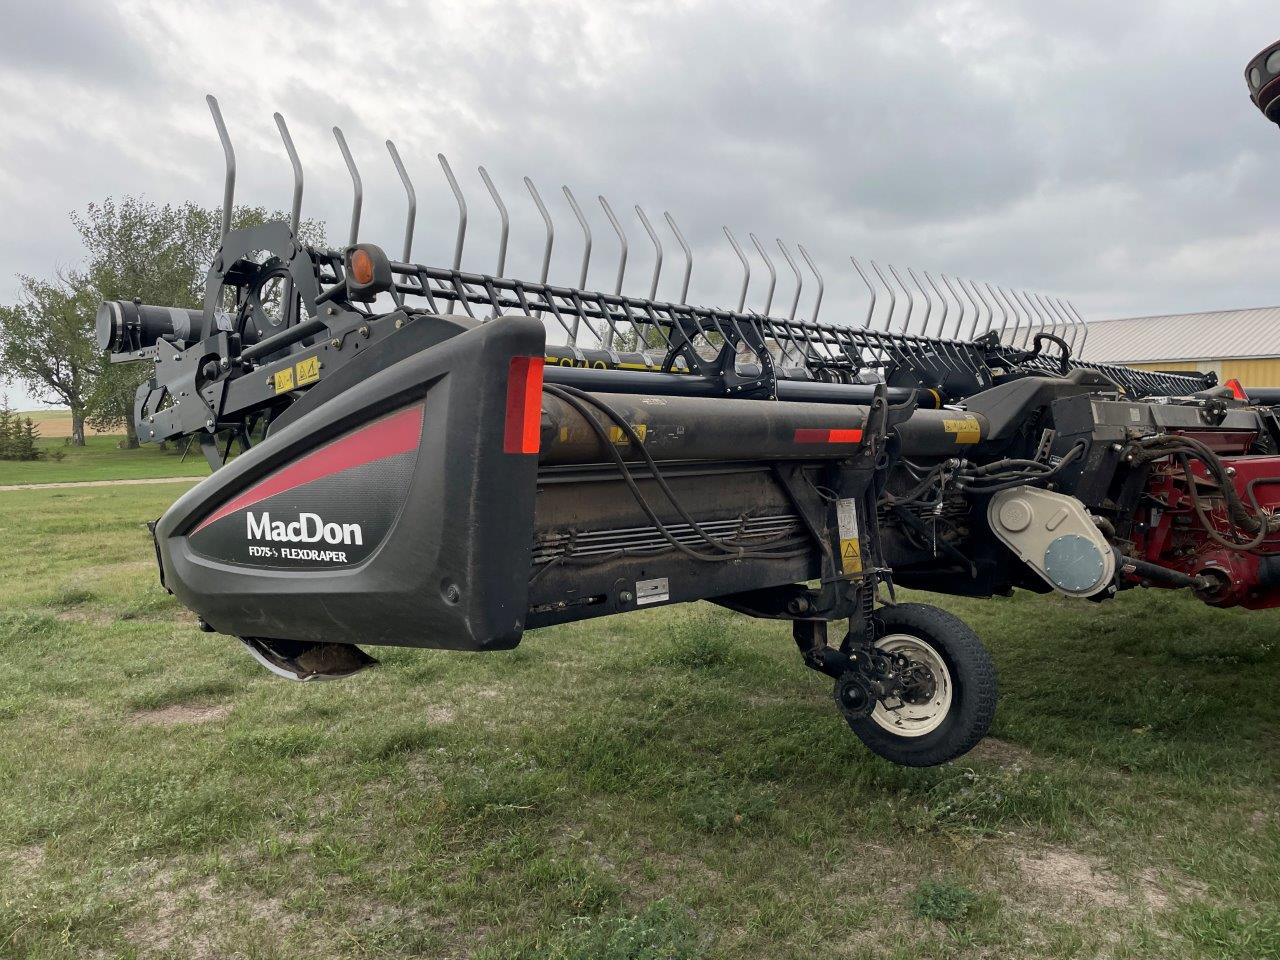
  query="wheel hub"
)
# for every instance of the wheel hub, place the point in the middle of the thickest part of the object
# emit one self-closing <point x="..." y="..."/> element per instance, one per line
<point x="920" y="695"/>
<point x="855" y="696"/>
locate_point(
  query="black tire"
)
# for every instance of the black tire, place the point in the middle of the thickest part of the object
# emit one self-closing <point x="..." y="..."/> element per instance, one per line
<point x="973" y="682"/>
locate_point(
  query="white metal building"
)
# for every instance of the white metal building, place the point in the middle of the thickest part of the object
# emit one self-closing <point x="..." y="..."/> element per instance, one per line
<point x="1239" y="344"/>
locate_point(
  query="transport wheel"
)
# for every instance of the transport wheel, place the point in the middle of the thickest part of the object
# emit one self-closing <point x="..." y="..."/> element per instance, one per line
<point x="951" y="697"/>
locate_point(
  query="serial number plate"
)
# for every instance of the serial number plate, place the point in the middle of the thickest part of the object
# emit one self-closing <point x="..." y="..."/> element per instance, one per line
<point x="652" y="591"/>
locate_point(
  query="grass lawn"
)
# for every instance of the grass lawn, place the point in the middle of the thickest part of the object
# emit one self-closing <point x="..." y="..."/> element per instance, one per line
<point x="671" y="784"/>
<point x="102" y="459"/>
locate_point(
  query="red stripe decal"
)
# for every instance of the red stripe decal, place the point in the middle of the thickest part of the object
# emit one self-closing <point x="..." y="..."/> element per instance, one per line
<point x="523" y="428"/>
<point x="813" y="435"/>
<point x="388" y="437"/>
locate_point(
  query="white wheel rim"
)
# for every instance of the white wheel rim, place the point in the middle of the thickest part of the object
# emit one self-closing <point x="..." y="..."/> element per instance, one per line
<point x="915" y="719"/>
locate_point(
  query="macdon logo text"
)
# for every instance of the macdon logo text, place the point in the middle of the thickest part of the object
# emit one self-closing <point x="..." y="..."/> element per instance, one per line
<point x="308" y="528"/>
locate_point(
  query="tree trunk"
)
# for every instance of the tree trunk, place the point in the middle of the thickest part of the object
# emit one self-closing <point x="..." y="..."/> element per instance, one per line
<point x="130" y="432"/>
<point x="77" y="427"/>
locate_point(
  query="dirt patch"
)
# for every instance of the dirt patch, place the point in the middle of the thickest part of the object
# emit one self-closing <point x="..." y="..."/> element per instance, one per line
<point x="26" y="861"/>
<point x="193" y="919"/>
<point x="1073" y="877"/>
<point x="1070" y="875"/>
<point x="179" y="714"/>
<point x="1001" y="753"/>
<point x="439" y="714"/>
<point x="94" y="617"/>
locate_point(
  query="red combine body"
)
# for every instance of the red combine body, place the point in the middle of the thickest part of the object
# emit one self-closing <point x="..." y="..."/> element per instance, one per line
<point x="1237" y="571"/>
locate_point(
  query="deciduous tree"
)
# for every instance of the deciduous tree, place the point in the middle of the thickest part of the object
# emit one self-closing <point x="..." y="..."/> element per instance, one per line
<point x="47" y="344"/>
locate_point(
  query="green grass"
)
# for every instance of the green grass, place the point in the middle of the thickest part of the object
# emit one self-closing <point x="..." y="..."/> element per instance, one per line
<point x="102" y="459"/>
<point x="671" y="784"/>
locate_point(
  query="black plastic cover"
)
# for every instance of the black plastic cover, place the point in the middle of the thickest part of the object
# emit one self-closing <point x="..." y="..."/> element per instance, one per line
<point x="388" y="514"/>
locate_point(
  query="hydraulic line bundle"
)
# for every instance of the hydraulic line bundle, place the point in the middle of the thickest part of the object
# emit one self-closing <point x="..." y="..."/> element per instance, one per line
<point x="433" y="457"/>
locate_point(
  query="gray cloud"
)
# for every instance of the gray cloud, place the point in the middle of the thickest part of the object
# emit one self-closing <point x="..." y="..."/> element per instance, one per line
<point x="1102" y="150"/>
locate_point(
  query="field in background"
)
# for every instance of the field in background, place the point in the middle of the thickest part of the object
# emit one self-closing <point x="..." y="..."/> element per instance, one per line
<point x="56" y="424"/>
<point x="672" y="784"/>
<point x="102" y="459"/>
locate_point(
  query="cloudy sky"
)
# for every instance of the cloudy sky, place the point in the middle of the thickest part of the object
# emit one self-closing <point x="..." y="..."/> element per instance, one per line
<point x="1101" y="150"/>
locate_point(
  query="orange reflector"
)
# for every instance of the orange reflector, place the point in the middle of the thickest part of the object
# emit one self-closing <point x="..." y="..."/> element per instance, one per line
<point x="524" y="405"/>
<point x="362" y="266"/>
<point x="1236" y="389"/>
<point x="812" y="435"/>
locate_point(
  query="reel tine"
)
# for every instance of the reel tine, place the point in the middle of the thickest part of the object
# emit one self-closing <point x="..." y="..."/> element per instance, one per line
<point x="1052" y="317"/>
<point x="893" y="297"/>
<point x="1039" y="314"/>
<point x="973" y="303"/>
<point x="1084" y="326"/>
<point x="817" y="301"/>
<point x="462" y="210"/>
<point x="895" y="350"/>
<point x="871" y="307"/>
<point x="1075" y="326"/>
<point x="911" y="301"/>
<point x="1005" y="309"/>
<point x="1067" y="319"/>
<point x="356" y="185"/>
<point x="946" y="352"/>
<point x="946" y="307"/>
<point x="551" y="230"/>
<point x="773" y="273"/>
<point x="1017" y="314"/>
<point x="412" y="197"/>
<point x="1031" y="305"/>
<point x="1031" y="319"/>
<point x="295" y="213"/>
<point x="746" y="268"/>
<point x="622" y="264"/>
<point x="878" y="353"/>
<point x="622" y="243"/>
<point x="657" y="252"/>
<point x="229" y="157"/>
<point x="505" y="229"/>
<point x="928" y="302"/>
<point x="586" y="257"/>
<point x="462" y="216"/>
<point x="979" y="303"/>
<point x="688" y="256"/>
<point x="946" y="282"/>
<point x="1004" y="316"/>
<point x="962" y="356"/>
<point x="586" y="236"/>
<point x="795" y="301"/>
<point x="1068" y="326"/>
<point x="968" y="295"/>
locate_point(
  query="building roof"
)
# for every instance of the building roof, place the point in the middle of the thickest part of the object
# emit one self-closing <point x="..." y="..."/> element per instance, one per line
<point x="1216" y="335"/>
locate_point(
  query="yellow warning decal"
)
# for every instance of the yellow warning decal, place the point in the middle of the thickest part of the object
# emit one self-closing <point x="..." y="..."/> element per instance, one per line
<point x="847" y="526"/>
<point x="850" y="556"/>
<point x="966" y="429"/>
<point x="283" y="380"/>
<point x="617" y="436"/>
<point x="308" y="371"/>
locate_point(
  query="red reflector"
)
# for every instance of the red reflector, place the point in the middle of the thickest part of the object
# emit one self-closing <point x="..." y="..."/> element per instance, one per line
<point x="1236" y="389"/>
<point x="524" y="405"/>
<point x="811" y="435"/>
